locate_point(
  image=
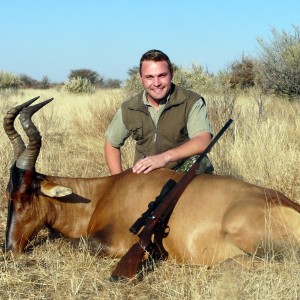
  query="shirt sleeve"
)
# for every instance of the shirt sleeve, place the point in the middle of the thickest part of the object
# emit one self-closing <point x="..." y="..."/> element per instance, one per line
<point x="117" y="133"/>
<point x="198" y="120"/>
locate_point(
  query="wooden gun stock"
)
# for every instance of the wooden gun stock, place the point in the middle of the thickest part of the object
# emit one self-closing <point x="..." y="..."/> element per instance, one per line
<point x="131" y="262"/>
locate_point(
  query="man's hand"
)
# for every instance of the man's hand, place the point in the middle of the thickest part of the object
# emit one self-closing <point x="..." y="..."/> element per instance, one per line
<point x="150" y="163"/>
<point x="191" y="147"/>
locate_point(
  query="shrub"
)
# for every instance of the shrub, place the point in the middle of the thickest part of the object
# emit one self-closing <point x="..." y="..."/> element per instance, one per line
<point x="112" y="83"/>
<point x="189" y="78"/>
<point x="242" y="73"/>
<point x="79" y="85"/>
<point x="9" y="81"/>
<point x="133" y="85"/>
<point x="45" y="83"/>
<point x="196" y="79"/>
<point x="28" y="82"/>
<point x="90" y="75"/>
<point x="279" y="63"/>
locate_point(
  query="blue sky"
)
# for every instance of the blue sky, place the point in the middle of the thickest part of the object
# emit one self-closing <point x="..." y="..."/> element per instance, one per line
<point x="50" y="38"/>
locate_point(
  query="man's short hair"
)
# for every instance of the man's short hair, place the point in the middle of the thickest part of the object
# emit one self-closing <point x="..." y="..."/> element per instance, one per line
<point x="155" y="55"/>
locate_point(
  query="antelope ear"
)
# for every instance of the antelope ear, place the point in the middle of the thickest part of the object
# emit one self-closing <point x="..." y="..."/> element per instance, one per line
<point x="54" y="190"/>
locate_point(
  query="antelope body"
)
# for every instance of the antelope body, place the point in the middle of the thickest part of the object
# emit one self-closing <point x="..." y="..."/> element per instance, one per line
<point x="215" y="219"/>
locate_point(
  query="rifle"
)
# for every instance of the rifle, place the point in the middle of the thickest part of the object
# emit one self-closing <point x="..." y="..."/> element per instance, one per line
<point x="142" y="221"/>
<point x="156" y="222"/>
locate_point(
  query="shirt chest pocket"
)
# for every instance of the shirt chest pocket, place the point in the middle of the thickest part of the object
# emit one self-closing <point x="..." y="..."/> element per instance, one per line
<point x="136" y="130"/>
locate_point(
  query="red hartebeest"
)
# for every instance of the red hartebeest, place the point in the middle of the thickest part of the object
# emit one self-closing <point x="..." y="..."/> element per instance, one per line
<point x="216" y="217"/>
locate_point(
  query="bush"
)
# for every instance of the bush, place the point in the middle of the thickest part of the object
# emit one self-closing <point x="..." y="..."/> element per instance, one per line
<point x="242" y="73"/>
<point x="9" y="81"/>
<point x="112" y="83"/>
<point x="28" y="82"/>
<point x="45" y="83"/>
<point x="194" y="78"/>
<point x="79" y="85"/>
<point x="90" y="75"/>
<point x="133" y="85"/>
<point x="279" y="63"/>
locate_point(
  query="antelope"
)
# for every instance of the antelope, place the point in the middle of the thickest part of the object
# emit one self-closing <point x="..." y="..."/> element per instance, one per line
<point x="216" y="218"/>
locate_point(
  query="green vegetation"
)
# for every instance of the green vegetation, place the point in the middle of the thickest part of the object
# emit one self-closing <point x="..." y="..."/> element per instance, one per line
<point x="92" y="76"/>
<point x="279" y="63"/>
<point x="79" y="85"/>
<point x="194" y="78"/>
<point x="242" y="73"/>
<point x="9" y="81"/>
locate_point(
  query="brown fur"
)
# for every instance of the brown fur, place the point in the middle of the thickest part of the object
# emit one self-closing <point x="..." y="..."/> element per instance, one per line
<point x="215" y="219"/>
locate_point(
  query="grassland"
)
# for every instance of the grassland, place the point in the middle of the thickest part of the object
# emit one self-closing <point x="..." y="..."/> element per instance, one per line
<point x="262" y="147"/>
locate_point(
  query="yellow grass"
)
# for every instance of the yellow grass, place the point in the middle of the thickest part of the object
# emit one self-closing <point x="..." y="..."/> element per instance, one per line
<point x="262" y="146"/>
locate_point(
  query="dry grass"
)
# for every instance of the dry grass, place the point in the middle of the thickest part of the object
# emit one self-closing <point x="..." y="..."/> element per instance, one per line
<point x="262" y="146"/>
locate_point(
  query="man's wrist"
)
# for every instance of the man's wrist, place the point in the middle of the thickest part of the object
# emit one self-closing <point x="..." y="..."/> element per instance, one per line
<point x="168" y="156"/>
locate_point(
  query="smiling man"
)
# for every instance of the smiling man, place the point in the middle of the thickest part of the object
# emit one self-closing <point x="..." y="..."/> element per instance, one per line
<point x="169" y="124"/>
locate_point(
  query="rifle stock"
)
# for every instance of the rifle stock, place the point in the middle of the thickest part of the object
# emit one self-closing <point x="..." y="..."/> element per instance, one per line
<point x="131" y="262"/>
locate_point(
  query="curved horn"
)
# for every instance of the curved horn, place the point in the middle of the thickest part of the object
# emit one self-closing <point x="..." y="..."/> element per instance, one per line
<point x="8" y="125"/>
<point x="27" y="159"/>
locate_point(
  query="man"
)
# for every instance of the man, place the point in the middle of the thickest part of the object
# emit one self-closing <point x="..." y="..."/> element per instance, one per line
<point x="168" y="123"/>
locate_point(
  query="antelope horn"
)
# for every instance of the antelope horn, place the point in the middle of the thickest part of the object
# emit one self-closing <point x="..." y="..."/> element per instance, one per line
<point x="8" y="125"/>
<point x="27" y="159"/>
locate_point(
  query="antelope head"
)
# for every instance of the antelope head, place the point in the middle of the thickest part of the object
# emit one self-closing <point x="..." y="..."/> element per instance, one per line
<point x="25" y="216"/>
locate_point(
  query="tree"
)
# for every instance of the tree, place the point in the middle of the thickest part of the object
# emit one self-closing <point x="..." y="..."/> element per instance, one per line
<point x="45" y="83"/>
<point x="90" y="75"/>
<point x="28" y="82"/>
<point x="112" y="83"/>
<point x="133" y="71"/>
<point x="279" y="62"/>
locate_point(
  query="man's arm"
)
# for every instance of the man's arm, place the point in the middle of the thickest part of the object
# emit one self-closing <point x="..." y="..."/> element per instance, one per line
<point x="196" y="145"/>
<point x="200" y="133"/>
<point x="115" y="136"/>
<point x="113" y="158"/>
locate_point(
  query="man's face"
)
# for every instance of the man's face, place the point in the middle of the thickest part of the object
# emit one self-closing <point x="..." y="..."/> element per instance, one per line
<point x="156" y="79"/>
